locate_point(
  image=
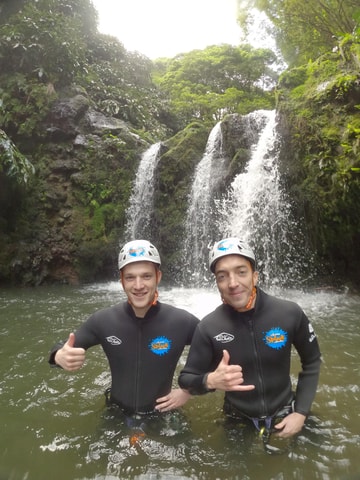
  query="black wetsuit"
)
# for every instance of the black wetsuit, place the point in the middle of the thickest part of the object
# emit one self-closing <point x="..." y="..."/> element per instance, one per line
<point x="260" y="341"/>
<point x="142" y="352"/>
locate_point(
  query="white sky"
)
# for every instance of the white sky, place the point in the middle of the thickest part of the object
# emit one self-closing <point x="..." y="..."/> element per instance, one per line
<point x="164" y="28"/>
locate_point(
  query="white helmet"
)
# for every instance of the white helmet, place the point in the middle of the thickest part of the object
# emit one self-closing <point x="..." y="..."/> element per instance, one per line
<point x="229" y="246"/>
<point x="138" y="251"/>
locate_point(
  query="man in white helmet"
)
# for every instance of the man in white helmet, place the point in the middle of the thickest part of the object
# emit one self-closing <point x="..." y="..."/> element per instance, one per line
<point x="244" y="348"/>
<point x="142" y="338"/>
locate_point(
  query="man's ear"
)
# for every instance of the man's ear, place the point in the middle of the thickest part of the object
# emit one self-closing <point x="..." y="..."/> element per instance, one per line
<point x="158" y="276"/>
<point x="255" y="278"/>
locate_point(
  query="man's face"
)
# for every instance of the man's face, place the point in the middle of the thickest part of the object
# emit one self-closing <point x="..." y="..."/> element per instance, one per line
<point x="140" y="281"/>
<point x="235" y="280"/>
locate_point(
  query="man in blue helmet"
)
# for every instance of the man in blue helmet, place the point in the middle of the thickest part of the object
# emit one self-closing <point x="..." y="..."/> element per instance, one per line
<point x="244" y="348"/>
<point x="142" y="338"/>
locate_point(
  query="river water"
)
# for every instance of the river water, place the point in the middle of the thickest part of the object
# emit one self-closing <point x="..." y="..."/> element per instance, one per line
<point x="54" y="424"/>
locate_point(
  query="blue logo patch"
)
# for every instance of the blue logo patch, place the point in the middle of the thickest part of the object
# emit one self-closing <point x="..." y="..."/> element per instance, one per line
<point x="160" y="345"/>
<point x="275" y="338"/>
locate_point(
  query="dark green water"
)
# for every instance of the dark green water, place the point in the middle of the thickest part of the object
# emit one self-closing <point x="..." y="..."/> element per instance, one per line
<point x="54" y="424"/>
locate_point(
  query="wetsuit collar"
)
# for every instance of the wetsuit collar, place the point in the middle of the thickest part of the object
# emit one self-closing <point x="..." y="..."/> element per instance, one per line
<point x="149" y="314"/>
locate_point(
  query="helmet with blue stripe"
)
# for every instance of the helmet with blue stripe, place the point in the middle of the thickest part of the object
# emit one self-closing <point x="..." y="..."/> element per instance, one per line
<point x="138" y="251"/>
<point x="230" y="246"/>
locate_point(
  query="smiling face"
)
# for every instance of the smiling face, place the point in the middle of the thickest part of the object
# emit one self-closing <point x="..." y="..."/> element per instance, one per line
<point x="140" y="281"/>
<point x="235" y="280"/>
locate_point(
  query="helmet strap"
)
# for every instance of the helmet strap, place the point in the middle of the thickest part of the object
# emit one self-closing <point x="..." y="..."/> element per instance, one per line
<point x="251" y="299"/>
<point x="156" y="296"/>
<point x="154" y="301"/>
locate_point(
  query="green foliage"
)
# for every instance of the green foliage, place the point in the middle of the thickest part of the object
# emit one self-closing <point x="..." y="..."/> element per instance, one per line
<point x="293" y="77"/>
<point x="208" y="84"/>
<point x="12" y="162"/>
<point x="51" y="44"/>
<point x="120" y="83"/>
<point x="45" y="40"/>
<point x="305" y="32"/>
<point x="103" y="192"/>
<point x="24" y="104"/>
<point x="43" y="47"/>
<point x="324" y="122"/>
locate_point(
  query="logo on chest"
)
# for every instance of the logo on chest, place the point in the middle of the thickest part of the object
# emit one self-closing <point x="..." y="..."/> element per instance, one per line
<point x="275" y="338"/>
<point x="160" y="345"/>
<point x="224" y="337"/>
<point x="113" y="340"/>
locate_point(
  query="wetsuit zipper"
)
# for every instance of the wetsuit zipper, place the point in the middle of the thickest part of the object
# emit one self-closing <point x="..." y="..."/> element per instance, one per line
<point x="258" y="367"/>
<point x="138" y="363"/>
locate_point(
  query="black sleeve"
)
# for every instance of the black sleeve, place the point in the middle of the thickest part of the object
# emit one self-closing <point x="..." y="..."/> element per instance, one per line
<point x="85" y="337"/>
<point x="53" y="351"/>
<point x="199" y="363"/>
<point x="193" y="321"/>
<point x="307" y="346"/>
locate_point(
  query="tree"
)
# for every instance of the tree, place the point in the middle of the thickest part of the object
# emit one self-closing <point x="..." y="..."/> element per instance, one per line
<point x="46" y="39"/>
<point x="48" y="45"/>
<point x="305" y="31"/>
<point x="202" y="84"/>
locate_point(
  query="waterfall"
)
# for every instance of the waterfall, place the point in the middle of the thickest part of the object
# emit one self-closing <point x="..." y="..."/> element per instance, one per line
<point x="202" y="225"/>
<point x="140" y="207"/>
<point x="257" y="210"/>
<point x="207" y="176"/>
<point x="254" y="206"/>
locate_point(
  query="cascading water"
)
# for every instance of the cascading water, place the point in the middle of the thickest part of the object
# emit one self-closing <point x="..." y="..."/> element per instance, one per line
<point x="208" y="174"/>
<point x="141" y="200"/>
<point x="256" y="209"/>
<point x="202" y="227"/>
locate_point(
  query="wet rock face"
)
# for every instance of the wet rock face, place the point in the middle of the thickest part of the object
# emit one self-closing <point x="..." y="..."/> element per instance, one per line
<point x="84" y="164"/>
<point x="241" y="131"/>
<point x="74" y="117"/>
<point x="63" y="120"/>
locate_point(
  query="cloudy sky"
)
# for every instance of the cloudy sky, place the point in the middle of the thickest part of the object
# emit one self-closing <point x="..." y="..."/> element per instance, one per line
<point x="164" y="28"/>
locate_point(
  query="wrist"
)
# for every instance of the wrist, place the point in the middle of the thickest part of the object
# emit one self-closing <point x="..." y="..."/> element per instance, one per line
<point x="56" y="359"/>
<point x="301" y="415"/>
<point x="207" y="382"/>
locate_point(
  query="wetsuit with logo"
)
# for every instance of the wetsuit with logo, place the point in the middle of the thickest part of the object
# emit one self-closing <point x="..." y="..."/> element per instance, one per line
<point x="260" y="341"/>
<point x="142" y="352"/>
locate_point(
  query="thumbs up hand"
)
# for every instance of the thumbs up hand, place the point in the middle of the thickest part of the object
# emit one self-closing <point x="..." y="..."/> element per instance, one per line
<point x="71" y="340"/>
<point x="227" y="377"/>
<point x="68" y="357"/>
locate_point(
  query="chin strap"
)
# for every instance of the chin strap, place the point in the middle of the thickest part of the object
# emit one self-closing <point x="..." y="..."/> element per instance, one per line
<point x="156" y="296"/>
<point x="251" y="299"/>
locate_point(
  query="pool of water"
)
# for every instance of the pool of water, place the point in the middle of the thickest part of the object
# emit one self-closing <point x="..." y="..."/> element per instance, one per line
<point x="54" y="424"/>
